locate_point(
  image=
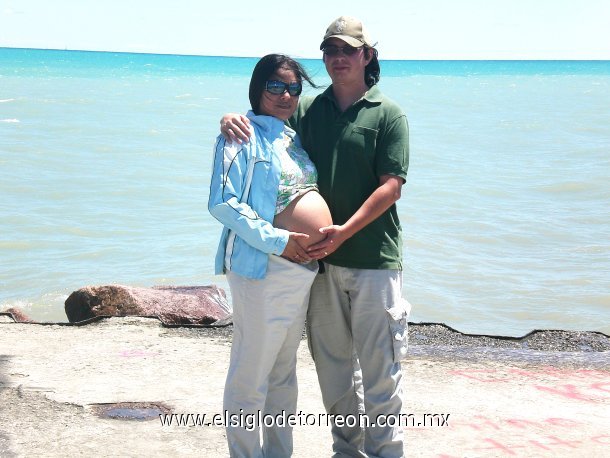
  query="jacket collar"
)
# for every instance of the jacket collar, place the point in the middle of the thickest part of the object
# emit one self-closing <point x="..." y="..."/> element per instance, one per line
<point x="270" y="125"/>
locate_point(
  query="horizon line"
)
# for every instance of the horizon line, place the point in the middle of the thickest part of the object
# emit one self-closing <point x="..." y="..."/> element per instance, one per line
<point x="310" y="58"/>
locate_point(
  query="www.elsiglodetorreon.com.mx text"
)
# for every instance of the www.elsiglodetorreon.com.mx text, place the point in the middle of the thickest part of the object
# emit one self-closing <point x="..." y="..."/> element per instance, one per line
<point x="249" y="421"/>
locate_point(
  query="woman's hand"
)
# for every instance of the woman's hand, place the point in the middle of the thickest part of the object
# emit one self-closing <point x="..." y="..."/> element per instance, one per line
<point x="294" y="251"/>
<point x="335" y="236"/>
<point x="235" y="127"/>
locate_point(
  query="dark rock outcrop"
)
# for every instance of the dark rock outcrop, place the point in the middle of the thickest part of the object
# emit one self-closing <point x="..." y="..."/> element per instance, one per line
<point x="173" y="305"/>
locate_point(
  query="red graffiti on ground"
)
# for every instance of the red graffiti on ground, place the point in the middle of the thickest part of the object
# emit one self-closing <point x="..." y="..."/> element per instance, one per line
<point x="524" y="446"/>
<point x="480" y="423"/>
<point x="597" y="391"/>
<point x="524" y="437"/>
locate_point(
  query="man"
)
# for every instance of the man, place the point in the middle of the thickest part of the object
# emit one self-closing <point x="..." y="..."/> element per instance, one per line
<point x="358" y="140"/>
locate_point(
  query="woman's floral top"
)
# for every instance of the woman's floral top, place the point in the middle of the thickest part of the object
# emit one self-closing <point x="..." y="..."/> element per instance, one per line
<point x="298" y="176"/>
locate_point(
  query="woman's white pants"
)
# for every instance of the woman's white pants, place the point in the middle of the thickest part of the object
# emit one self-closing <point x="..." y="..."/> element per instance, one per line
<point x="268" y="322"/>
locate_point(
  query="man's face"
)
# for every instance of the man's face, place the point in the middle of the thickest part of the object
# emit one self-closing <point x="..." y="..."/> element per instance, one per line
<point x="345" y="67"/>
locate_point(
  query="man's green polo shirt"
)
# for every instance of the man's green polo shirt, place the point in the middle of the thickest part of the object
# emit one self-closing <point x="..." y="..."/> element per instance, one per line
<point x="351" y="150"/>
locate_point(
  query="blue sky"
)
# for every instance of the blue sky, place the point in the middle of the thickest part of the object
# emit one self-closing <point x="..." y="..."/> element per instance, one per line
<point x="405" y="29"/>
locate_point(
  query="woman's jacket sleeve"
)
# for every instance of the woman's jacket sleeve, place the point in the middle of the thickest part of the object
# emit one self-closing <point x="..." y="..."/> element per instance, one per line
<point x="229" y="195"/>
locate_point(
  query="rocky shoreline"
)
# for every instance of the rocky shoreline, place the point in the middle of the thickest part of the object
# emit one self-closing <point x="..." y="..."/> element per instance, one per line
<point x="420" y="334"/>
<point x="206" y="310"/>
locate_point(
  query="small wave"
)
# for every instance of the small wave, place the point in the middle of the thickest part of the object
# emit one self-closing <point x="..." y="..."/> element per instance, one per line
<point x="566" y="187"/>
<point x="590" y="249"/>
<point x="6" y="100"/>
<point x="17" y="245"/>
<point x="10" y="120"/>
<point x="183" y="96"/>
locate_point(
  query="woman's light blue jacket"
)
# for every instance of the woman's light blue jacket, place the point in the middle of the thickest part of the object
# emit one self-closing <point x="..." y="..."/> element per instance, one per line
<point x="247" y="212"/>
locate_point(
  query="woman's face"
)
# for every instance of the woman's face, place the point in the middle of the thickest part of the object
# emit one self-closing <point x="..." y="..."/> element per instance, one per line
<point x="280" y="105"/>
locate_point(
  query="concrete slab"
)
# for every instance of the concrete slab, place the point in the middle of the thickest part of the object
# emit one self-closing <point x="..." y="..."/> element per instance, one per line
<point x="474" y="402"/>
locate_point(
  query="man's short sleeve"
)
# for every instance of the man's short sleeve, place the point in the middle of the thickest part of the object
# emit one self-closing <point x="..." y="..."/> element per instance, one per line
<point x="393" y="148"/>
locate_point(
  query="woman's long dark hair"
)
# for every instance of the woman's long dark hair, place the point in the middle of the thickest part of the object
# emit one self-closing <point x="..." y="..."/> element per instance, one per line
<point x="266" y="67"/>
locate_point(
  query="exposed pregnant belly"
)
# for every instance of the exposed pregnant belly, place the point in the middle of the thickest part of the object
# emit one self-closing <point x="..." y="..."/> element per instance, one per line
<point x="305" y="214"/>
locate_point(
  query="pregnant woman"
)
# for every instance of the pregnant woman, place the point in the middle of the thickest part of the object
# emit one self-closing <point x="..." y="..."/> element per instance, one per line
<point x="264" y="192"/>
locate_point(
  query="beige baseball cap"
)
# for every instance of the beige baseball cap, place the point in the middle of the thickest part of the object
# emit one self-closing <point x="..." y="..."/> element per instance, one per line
<point x="350" y="30"/>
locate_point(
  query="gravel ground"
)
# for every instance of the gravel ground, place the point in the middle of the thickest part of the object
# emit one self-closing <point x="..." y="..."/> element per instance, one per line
<point x="434" y="334"/>
<point x="442" y="341"/>
<point x="433" y="341"/>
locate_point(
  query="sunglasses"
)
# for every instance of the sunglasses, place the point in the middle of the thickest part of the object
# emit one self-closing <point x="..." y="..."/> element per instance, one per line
<point x="332" y="50"/>
<point x="279" y="87"/>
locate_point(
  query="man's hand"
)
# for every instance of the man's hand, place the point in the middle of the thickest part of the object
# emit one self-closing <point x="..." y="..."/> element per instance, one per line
<point x="235" y="127"/>
<point x="335" y="236"/>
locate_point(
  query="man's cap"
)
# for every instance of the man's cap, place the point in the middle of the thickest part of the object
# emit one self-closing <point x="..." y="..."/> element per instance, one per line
<point x="350" y="30"/>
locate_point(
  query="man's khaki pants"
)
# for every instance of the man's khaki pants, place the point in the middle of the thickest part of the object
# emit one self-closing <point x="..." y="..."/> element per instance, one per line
<point x="358" y="319"/>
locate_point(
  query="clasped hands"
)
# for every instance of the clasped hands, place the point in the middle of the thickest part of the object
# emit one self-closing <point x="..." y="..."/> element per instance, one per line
<point x="297" y="250"/>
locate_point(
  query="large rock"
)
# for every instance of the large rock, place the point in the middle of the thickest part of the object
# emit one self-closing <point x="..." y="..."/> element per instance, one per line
<point x="171" y="304"/>
<point x="18" y="315"/>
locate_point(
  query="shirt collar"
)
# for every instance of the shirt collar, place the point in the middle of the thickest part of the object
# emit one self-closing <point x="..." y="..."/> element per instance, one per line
<point x="373" y="95"/>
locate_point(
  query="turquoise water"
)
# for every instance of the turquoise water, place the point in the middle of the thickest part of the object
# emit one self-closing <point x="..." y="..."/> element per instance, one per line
<point x="105" y="161"/>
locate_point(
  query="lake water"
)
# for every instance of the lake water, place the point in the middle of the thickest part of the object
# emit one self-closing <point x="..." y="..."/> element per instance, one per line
<point x="105" y="163"/>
